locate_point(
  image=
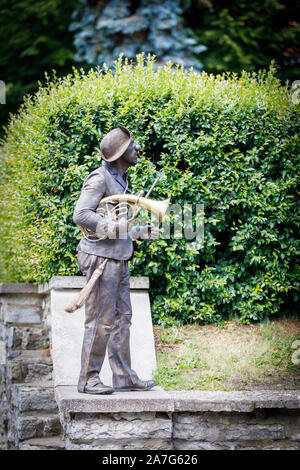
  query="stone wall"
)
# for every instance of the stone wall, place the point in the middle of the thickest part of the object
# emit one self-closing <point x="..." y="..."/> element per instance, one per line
<point x="40" y="347"/>
<point x="192" y="420"/>
<point x="35" y="414"/>
<point x="28" y="408"/>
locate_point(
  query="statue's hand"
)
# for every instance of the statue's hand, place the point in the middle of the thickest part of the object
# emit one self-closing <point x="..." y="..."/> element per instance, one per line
<point x="146" y="232"/>
<point x="123" y="225"/>
<point x="108" y="228"/>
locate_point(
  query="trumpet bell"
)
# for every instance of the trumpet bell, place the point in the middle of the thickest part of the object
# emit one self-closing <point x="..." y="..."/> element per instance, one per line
<point x="158" y="208"/>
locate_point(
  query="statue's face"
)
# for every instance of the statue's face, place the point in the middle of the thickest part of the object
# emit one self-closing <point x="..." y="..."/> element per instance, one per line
<point x="132" y="152"/>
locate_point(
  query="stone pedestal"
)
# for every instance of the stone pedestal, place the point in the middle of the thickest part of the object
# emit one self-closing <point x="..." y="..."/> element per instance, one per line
<point x="183" y="420"/>
<point x="156" y="419"/>
<point x="67" y="331"/>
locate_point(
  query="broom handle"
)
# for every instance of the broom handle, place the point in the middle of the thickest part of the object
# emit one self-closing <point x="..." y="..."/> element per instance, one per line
<point x="85" y="292"/>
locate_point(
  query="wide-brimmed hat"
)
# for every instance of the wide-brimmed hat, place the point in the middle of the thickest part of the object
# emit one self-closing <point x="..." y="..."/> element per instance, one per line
<point x="114" y="144"/>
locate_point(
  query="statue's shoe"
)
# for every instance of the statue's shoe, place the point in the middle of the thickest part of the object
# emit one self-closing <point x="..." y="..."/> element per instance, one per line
<point x="140" y="385"/>
<point x="97" y="388"/>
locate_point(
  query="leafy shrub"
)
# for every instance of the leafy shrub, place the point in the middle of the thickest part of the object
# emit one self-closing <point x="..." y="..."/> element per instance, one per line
<point x="228" y="142"/>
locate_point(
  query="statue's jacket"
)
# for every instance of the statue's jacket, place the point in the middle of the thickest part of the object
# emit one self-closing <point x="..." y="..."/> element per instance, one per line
<point x="102" y="182"/>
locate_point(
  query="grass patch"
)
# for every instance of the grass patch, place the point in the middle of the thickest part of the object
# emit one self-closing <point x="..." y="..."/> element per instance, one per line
<point x="230" y="357"/>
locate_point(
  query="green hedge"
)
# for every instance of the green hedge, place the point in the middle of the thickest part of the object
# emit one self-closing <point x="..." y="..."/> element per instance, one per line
<point x="229" y="142"/>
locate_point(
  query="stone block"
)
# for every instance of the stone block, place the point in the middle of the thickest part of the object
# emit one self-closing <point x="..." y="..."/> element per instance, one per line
<point x="7" y="288"/>
<point x="30" y="366"/>
<point x="37" y="425"/>
<point x="221" y="432"/>
<point x="114" y="426"/>
<point x="213" y="427"/>
<point x="114" y="444"/>
<point x="22" y="314"/>
<point x="2" y="332"/>
<point x="2" y="373"/>
<point x="35" y="338"/>
<point x="33" y="397"/>
<point x="23" y="299"/>
<point x="15" y="372"/>
<point x="44" y="443"/>
<point x="2" y="353"/>
<point x="190" y="444"/>
<point x="69" y="400"/>
<point x="24" y="337"/>
<point x="38" y="372"/>
<point x="78" y="282"/>
<point x="14" y="337"/>
<point x="283" y="444"/>
<point x="241" y="401"/>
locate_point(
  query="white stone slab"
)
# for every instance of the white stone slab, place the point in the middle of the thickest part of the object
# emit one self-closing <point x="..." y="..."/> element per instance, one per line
<point x="67" y="335"/>
<point x="190" y="401"/>
<point x="22" y="314"/>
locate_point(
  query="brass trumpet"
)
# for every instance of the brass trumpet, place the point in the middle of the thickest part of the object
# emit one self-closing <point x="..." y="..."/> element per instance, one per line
<point x="123" y="203"/>
<point x="119" y="205"/>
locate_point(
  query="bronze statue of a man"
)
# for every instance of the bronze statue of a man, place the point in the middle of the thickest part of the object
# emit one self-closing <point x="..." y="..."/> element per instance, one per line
<point x="108" y="308"/>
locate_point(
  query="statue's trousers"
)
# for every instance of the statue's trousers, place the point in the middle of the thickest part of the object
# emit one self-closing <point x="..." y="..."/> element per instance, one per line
<point x="108" y="315"/>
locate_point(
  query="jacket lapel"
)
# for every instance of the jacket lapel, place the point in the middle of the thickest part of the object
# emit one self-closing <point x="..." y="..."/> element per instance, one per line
<point x="116" y="175"/>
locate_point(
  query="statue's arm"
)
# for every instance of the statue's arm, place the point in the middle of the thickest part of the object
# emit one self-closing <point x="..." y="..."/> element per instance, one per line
<point x="92" y="192"/>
